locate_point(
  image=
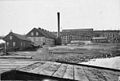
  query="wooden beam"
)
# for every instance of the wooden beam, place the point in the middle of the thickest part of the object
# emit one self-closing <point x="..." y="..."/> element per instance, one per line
<point x="79" y="74"/>
<point x="69" y="72"/>
<point x="61" y="70"/>
<point x="51" y="69"/>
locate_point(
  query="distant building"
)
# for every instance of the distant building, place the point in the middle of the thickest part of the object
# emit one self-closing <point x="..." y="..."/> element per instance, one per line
<point x="99" y="40"/>
<point x="16" y="41"/>
<point x="69" y="35"/>
<point x="113" y="36"/>
<point x="41" y="37"/>
<point x="81" y="35"/>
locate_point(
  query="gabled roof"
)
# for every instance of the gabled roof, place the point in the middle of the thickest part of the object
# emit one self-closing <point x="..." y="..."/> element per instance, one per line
<point x="43" y="32"/>
<point x="29" y="33"/>
<point x="22" y="37"/>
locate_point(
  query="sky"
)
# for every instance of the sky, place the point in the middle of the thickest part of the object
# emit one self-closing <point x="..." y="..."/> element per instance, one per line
<point x="20" y="16"/>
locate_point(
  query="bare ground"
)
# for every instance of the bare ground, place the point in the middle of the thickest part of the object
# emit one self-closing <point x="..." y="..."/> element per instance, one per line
<point x="73" y="54"/>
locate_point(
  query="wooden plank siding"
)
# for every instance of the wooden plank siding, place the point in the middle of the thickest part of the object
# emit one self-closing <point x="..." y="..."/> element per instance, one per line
<point x="50" y="69"/>
<point x="6" y="65"/>
<point x="69" y="72"/>
<point x="61" y="70"/>
<point x="79" y="74"/>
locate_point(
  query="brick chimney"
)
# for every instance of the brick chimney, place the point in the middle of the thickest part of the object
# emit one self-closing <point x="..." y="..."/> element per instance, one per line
<point x="58" y="18"/>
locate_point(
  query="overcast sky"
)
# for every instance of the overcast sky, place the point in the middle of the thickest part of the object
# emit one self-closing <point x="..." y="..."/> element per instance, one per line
<point x="21" y="16"/>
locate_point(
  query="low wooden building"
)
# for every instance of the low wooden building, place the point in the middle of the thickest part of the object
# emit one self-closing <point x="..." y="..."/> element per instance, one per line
<point x="41" y="37"/>
<point x="16" y="41"/>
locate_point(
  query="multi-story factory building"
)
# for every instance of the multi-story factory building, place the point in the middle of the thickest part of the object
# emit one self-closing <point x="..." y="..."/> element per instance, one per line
<point x="112" y="36"/>
<point x="76" y="35"/>
<point x="95" y="36"/>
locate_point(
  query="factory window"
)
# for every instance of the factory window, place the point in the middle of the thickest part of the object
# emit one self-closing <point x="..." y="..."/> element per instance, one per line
<point x="36" y="33"/>
<point x="14" y="43"/>
<point x="31" y="33"/>
<point x="10" y="37"/>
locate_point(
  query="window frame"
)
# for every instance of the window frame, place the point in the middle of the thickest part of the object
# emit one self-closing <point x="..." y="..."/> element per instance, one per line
<point x="32" y="34"/>
<point x="14" y="44"/>
<point x="11" y="37"/>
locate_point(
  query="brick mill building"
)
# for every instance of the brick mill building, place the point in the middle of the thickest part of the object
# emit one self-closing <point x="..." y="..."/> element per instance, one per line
<point x="96" y="36"/>
<point x="77" y="35"/>
<point x="112" y="36"/>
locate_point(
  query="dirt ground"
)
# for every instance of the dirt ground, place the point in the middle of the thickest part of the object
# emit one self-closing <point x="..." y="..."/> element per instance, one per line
<point x="72" y="54"/>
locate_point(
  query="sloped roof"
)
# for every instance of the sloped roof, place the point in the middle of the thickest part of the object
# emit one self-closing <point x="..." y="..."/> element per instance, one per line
<point x="47" y="33"/>
<point x="51" y="34"/>
<point x="43" y="32"/>
<point x="22" y="37"/>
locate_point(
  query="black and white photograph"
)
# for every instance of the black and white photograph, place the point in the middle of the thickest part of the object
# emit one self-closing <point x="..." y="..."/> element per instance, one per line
<point x="59" y="40"/>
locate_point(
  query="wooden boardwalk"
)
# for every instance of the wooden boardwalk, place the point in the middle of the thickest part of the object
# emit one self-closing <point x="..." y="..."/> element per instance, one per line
<point x="73" y="72"/>
<point x="61" y="70"/>
<point x="6" y="65"/>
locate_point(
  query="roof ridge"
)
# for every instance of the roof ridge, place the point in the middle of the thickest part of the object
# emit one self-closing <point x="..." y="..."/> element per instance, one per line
<point x="22" y="37"/>
<point x="46" y="33"/>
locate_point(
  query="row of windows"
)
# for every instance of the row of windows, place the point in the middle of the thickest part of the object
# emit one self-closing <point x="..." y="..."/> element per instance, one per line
<point x="32" y="33"/>
<point x="14" y="44"/>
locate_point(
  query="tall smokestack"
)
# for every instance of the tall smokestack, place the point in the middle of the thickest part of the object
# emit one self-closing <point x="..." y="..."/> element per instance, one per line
<point x="58" y="17"/>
